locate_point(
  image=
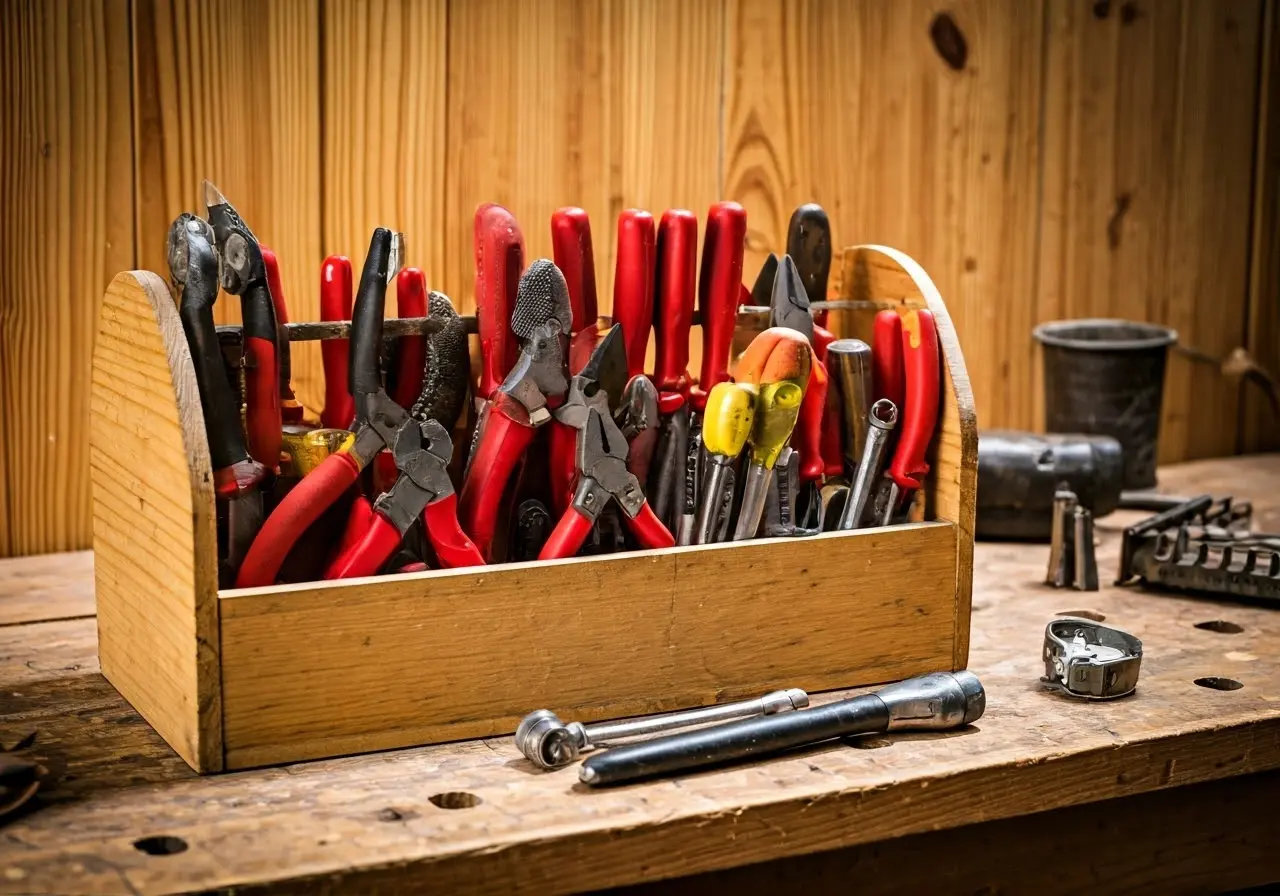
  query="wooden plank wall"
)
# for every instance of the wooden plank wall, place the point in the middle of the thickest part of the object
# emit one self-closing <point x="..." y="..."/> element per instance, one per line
<point x="1041" y="158"/>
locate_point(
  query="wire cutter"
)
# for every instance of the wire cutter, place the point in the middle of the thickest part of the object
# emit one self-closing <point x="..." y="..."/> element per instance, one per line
<point x="421" y="448"/>
<point x="601" y="457"/>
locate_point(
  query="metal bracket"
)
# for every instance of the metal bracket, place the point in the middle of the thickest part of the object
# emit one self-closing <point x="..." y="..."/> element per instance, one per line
<point x="1084" y="658"/>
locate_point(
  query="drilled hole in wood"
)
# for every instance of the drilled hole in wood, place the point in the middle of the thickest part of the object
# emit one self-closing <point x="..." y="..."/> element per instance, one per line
<point x="160" y="846"/>
<point x="456" y="799"/>
<point x="1221" y="626"/>
<point x="870" y="743"/>
<point x="1084" y="614"/>
<point x="1219" y="684"/>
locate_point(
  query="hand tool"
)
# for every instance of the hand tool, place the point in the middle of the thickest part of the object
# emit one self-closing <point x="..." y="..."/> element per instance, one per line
<point x="290" y="407"/>
<point x="933" y="702"/>
<point x="1085" y="576"/>
<point x="1083" y="658"/>
<point x="1018" y="473"/>
<point x="691" y="482"/>
<point x="530" y="530"/>
<point x="809" y="246"/>
<point x="1062" y="545"/>
<point x="849" y="366"/>
<point x="335" y="304"/>
<point x="499" y="257"/>
<point x="523" y="402"/>
<point x="549" y="743"/>
<point x="306" y="449"/>
<point x="727" y="423"/>
<point x="237" y="478"/>
<point x="637" y="418"/>
<point x="791" y="509"/>
<point x="601" y="458"/>
<point x="633" y="285"/>
<point x="719" y="288"/>
<point x="832" y="497"/>
<point x="882" y="417"/>
<point x="920" y="416"/>
<point x="421" y="447"/>
<point x="571" y="242"/>
<point x="778" y="362"/>
<point x="888" y="378"/>
<point x="675" y="286"/>
<point x="410" y="351"/>
<point x="243" y="273"/>
<point x="790" y="308"/>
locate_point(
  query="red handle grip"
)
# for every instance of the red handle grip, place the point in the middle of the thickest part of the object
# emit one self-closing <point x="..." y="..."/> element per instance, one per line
<point x="807" y="438"/>
<point x="411" y="301"/>
<point x="567" y="536"/>
<point x="502" y="444"/>
<point x="888" y="378"/>
<point x="832" y="452"/>
<point x="293" y="516"/>
<point x="633" y="285"/>
<point x="359" y="519"/>
<point x="562" y="464"/>
<point x="453" y="548"/>
<point x="648" y="529"/>
<point x="335" y="304"/>
<point x="367" y="554"/>
<point x="719" y="288"/>
<point x="499" y="256"/>
<point x="571" y="247"/>
<point x="675" y="286"/>
<point x="920" y="417"/>
<point x="262" y="402"/>
<point x="290" y="407"/>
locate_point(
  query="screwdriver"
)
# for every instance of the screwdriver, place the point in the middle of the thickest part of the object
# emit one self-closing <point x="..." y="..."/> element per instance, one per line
<point x="920" y="364"/>
<point x="849" y="364"/>
<point x="778" y="363"/>
<point x="726" y="426"/>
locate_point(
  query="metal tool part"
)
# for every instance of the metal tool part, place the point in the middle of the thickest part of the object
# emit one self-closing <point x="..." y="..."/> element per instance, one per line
<point x="849" y="366"/>
<point x="550" y="743"/>
<point x="691" y="489"/>
<point x="882" y="418"/>
<point x="938" y="701"/>
<point x="727" y="425"/>
<point x="1061" y="546"/>
<point x="530" y="529"/>
<point x="780" y="506"/>
<point x="1087" y="659"/>
<point x="1085" y="567"/>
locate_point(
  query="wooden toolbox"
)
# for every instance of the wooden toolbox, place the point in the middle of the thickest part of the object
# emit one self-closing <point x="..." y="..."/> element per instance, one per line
<point x="240" y="678"/>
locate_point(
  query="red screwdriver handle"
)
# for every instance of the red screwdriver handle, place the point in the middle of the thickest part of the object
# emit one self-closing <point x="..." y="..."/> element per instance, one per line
<point x="453" y="548"/>
<point x="887" y="373"/>
<point x="719" y="289"/>
<point x="920" y="416"/>
<point x="499" y="256"/>
<point x="675" y="285"/>
<point x="571" y="250"/>
<point x="335" y="304"/>
<point x="366" y="554"/>
<point x="411" y="301"/>
<point x="633" y="285"/>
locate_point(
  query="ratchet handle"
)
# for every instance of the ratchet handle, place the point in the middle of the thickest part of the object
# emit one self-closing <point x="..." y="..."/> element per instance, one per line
<point x="920" y="411"/>
<point x="674" y="291"/>
<point x="633" y="285"/>
<point x="573" y="255"/>
<point x="719" y="289"/>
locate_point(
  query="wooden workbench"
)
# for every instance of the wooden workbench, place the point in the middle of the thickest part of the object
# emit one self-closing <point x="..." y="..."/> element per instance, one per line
<point x="1174" y="787"/>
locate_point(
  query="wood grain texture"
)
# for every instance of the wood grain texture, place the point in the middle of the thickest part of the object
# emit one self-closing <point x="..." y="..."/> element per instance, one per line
<point x="47" y="587"/>
<point x="153" y="520"/>
<point x="852" y="105"/>
<point x="229" y="90"/>
<point x="1148" y="159"/>
<point x="66" y="212"/>
<point x="319" y="670"/>
<point x="367" y="823"/>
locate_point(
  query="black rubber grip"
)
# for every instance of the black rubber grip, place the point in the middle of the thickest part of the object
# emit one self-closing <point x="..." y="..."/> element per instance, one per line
<point x="809" y="245"/>
<point x="365" y="375"/>
<point x="259" y="314"/>
<point x="759" y="736"/>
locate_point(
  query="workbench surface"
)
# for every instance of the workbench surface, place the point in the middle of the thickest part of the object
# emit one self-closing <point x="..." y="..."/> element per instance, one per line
<point x="980" y="807"/>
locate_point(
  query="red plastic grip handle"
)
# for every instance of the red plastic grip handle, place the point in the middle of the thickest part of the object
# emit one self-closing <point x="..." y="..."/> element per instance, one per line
<point x="675" y="285"/>
<point x="888" y="378"/>
<point x="290" y="407"/>
<point x="411" y="301"/>
<point x="571" y="248"/>
<point x="832" y="452"/>
<point x="502" y="444"/>
<point x="562" y="464"/>
<point x="719" y="288"/>
<point x="648" y="529"/>
<point x="335" y="304"/>
<point x="807" y="438"/>
<point x="262" y="402"/>
<point x="293" y="516"/>
<point x="453" y="548"/>
<point x="633" y="285"/>
<point x="567" y="536"/>
<point x="920" y="417"/>
<point x="359" y="519"/>
<point x="499" y="257"/>
<point x="366" y="556"/>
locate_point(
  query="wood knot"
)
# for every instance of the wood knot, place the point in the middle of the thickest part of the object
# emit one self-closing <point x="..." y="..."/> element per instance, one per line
<point x="949" y="41"/>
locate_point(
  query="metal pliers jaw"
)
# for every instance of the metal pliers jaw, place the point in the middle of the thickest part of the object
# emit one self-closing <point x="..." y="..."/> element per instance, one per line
<point x="637" y="413"/>
<point x="422" y="451"/>
<point x="789" y="303"/>
<point x="190" y="246"/>
<point x="240" y="261"/>
<point x="538" y="381"/>
<point x="602" y="460"/>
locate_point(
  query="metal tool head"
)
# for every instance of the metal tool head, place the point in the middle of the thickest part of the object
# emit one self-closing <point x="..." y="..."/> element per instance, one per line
<point x="1087" y="659"/>
<point x="545" y="740"/>
<point x="422" y="451"/>
<point x="190" y="249"/>
<point x="637" y="412"/>
<point x="365" y="374"/>
<point x="239" y="255"/>
<point x="762" y="289"/>
<point x="447" y="368"/>
<point x="541" y="299"/>
<point x="606" y="369"/>
<point x="789" y="302"/>
<point x="602" y="456"/>
<point x="809" y="243"/>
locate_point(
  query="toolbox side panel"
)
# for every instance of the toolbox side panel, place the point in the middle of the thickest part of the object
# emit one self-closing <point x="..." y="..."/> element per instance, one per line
<point x="370" y="664"/>
<point x="153" y="521"/>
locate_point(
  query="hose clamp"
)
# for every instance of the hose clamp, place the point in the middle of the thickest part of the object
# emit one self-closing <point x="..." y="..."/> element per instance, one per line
<point x="1086" y="659"/>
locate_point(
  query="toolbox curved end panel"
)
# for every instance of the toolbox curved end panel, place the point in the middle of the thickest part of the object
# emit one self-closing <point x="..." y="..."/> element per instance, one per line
<point x="153" y="520"/>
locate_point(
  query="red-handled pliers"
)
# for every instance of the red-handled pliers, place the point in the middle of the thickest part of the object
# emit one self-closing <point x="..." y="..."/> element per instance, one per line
<point x="789" y="307"/>
<point x="633" y="285"/>
<point x="536" y="384"/>
<point x="335" y="304"/>
<point x="921" y="366"/>
<point x="601" y="459"/>
<point x="571" y="242"/>
<point x="290" y="407"/>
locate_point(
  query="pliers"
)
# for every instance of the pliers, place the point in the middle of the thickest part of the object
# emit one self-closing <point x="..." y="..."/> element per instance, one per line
<point x="421" y="449"/>
<point x="516" y="409"/>
<point x="601" y="457"/>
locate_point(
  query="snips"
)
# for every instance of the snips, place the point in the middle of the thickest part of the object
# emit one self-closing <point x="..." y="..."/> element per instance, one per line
<point x="601" y="457"/>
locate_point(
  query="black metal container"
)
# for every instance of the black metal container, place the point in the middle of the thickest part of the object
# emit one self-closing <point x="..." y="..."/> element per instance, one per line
<point x="1107" y="377"/>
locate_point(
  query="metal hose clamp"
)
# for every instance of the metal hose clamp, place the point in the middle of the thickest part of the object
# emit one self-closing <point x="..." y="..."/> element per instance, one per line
<point x="1086" y="659"/>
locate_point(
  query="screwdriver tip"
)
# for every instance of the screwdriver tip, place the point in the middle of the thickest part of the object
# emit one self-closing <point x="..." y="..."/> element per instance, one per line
<point x="212" y="195"/>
